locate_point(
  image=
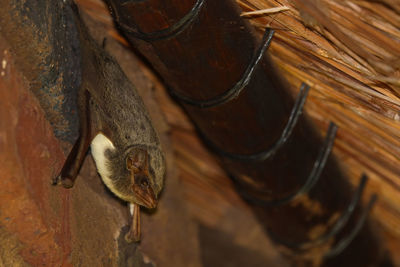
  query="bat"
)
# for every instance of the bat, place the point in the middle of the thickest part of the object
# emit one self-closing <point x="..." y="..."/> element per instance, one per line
<point x="115" y="124"/>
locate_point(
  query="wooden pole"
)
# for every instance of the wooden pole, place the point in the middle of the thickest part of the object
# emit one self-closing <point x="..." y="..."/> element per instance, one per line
<point x="202" y="49"/>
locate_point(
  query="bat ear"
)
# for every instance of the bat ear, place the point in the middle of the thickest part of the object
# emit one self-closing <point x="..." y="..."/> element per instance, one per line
<point x="137" y="160"/>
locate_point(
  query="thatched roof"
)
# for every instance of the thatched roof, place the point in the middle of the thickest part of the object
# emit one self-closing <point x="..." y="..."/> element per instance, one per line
<point x="349" y="52"/>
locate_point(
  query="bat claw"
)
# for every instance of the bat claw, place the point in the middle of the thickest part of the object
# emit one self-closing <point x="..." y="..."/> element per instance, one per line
<point x="66" y="182"/>
<point x="56" y="180"/>
<point x="131" y="237"/>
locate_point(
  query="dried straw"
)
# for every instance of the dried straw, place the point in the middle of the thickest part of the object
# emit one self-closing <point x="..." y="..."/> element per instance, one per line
<point x="349" y="52"/>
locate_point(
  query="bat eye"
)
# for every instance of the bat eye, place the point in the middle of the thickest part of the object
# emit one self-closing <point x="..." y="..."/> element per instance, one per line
<point x="137" y="161"/>
<point x="144" y="182"/>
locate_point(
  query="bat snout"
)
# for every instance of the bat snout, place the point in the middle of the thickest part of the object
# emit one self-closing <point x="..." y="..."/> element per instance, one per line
<point x="145" y="197"/>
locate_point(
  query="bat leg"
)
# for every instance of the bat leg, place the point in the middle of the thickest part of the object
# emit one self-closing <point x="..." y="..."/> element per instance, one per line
<point x="134" y="232"/>
<point x="74" y="161"/>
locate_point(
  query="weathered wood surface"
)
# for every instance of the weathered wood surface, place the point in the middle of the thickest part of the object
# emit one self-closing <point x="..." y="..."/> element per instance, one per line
<point x="205" y="61"/>
<point x="43" y="225"/>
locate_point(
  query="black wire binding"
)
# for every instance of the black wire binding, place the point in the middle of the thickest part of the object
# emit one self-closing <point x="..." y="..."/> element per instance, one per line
<point x="234" y="91"/>
<point x="263" y="155"/>
<point x="319" y="164"/>
<point x="167" y="33"/>
<point x="312" y="179"/>
<point x="345" y="242"/>
<point x="337" y="227"/>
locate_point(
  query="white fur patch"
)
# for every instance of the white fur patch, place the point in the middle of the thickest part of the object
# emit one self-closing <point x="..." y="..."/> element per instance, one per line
<point x="100" y="144"/>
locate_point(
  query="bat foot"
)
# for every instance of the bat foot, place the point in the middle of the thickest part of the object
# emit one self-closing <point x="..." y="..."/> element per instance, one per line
<point x="132" y="237"/>
<point x="66" y="182"/>
<point x="134" y="232"/>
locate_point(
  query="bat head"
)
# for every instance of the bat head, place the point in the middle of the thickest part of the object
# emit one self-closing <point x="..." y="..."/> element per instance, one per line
<point x="134" y="174"/>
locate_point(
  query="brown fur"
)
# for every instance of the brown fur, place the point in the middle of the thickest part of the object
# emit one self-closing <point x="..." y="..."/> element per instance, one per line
<point x="116" y="110"/>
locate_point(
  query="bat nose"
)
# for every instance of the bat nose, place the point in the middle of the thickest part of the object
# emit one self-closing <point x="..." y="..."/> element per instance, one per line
<point x="152" y="203"/>
<point x="146" y="197"/>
